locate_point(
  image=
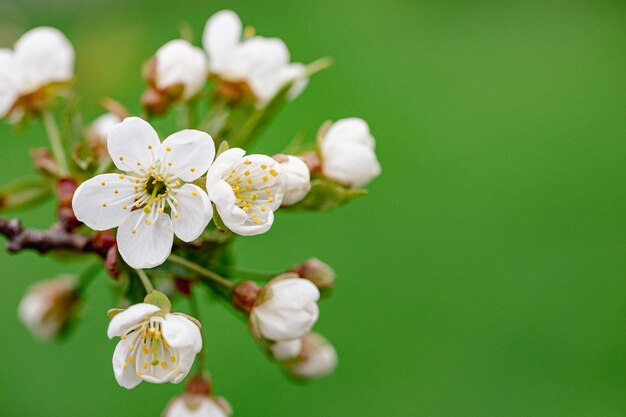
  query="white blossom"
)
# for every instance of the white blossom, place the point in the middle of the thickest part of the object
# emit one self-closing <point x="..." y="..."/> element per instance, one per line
<point x="262" y="63"/>
<point x="317" y="359"/>
<point x="299" y="178"/>
<point x="180" y="63"/>
<point x="348" y="153"/>
<point x="153" y="199"/>
<point x="48" y="306"/>
<point x="246" y="190"/>
<point x="197" y="405"/>
<point x="286" y="309"/>
<point x="42" y="56"/>
<point x="156" y="346"/>
<point x="99" y="132"/>
<point x="286" y="349"/>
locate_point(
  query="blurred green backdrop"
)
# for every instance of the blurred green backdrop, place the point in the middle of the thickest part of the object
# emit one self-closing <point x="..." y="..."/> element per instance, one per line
<point x="484" y="275"/>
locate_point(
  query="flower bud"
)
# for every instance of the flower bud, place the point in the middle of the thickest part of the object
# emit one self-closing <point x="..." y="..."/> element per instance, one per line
<point x="285" y="309"/>
<point x="99" y="132"/>
<point x="316" y="271"/>
<point x="317" y="358"/>
<point x="286" y="349"/>
<point x="197" y="401"/>
<point x="180" y="63"/>
<point x="299" y="178"/>
<point x="347" y="152"/>
<point x="48" y="307"/>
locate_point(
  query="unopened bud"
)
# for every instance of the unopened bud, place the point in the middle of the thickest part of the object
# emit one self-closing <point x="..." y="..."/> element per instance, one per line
<point x="299" y="178"/>
<point x="317" y="358"/>
<point x="49" y="306"/>
<point x="316" y="271"/>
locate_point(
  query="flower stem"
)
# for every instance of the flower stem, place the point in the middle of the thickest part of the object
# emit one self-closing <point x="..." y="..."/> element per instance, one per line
<point x="145" y="280"/>
<point x="201" y="271"/>
<point x="55" y="142"/>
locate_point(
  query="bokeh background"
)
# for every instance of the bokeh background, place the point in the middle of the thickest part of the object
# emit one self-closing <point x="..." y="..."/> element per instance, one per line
<point x="484" y="275"/>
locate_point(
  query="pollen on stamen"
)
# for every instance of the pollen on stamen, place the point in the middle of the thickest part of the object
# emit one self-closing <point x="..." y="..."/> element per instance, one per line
<point x="122" y="176"/>
<point x="134" y="232"/>
<point x="160" y="210"/>
<point x="265" y="178"/>
<point x="145" y="365"/>
<point x="104" y="204"/>
<point x="246" y="162"/>
<point x="268" y="191"/>
<point x="192" y="169"/>
<point x="246" y="173"/>
<point x="176" y="215"/>
<point x="163" y="364"/>
<point x="254" y="197"/>
<point x="124" y="365"/>
<point x="124" y="207"/>
<point x="139" y="373"/>
<point x="273" y="172"/>
<point x="148" y="222"/>
<point x="103" y="183"/>
<point x="168" y="149"/>
<point x="263" y="208"/>
<point x="116" y="191"/>
<point x="263" y="166"/>
<point x="194" y="193"/>
<point x="131" y="359"/>
<point x="121" y="158"/>
<point x="172" y="358"/>
<point x="150" y="147"/>
<point x="270" y="200"/>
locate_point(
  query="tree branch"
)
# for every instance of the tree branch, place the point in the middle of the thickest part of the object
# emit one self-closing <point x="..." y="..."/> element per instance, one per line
<point x="56" y="238"/>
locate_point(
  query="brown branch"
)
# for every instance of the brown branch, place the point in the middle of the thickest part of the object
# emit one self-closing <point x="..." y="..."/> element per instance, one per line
<point x="56" y="238"/>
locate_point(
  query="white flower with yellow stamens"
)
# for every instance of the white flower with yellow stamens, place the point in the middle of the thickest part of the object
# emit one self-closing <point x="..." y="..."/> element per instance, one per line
<point x="246" y="190"/>
<point x="153" y="199"/>
<point x="157" y="346"/>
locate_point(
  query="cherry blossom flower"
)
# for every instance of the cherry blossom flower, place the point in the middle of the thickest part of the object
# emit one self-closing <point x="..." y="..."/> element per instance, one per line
<point x="299" y="178"/>
<point x="246" y="190"/>
<point x="156" y="346"/>
<point x="180" y="63"/>
<point x="41" y="58"/>
<point x="316" y="359"/>
<point x="347" y="152"/>
<point x="262" y="64"/>
<point x="153" y="198"/>
<point x="197" y="405"/>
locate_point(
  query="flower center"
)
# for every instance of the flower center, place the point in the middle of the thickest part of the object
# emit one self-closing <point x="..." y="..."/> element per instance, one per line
<point x="149" y="352"/>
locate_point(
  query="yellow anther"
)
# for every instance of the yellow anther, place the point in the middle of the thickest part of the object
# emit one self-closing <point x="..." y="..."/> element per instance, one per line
<point x="172" y="358"/>
<point x="160" y="210"/>
<point x="124" y="365"/>
<point x="157" y="335"/>
<point x="263" y="208"/>
<point x="256" y="221"/>
<point x="144" y="366"/>
<point x="164" y="364"/>
<point x="238" y="178"/>
<point x="123" y="337"/>
<point x="192" y="169"/>
<point x="131" y="359"/>
<point x="139" y="373"/>
<point x="194" y="193"/>
<point x="122" y="176"/>
<point x="168" y="149"/>
<point x="131" y="347"/>
<point x="148" y="222"/>
<point x="138" y="164"/>
<point x="265" y="178"/>
<point x="263" y="166"/>
<point x="169" y="164"/>
<point x="116" y="191"/>
<point x="245" y="209"/>
<point x="121" y="158"/>
<point x="253" y="215"/>
<point x="134" y="232"/>
<point x="268" y="191"/>
<point x="176" y="215"/>
<point x="246" y="162"/>
<point x="103" y="183"/>
<point x="249" y="180"/>
<point x="137" y="181"/>
<point x="104" y="204"/>
<point x="124" y="207"/>
<point x="254" y="197"/>
<point x="270" y="199"/>
<point x="248" y="188"/>
<point x="150" y="147"/>
<point x="177" y="182"/>
<point x="246" y="173"/>
<point x="273" y="172"/>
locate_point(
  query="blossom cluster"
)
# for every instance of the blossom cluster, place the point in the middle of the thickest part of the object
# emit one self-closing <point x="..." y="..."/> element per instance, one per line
<point x="159" y="214"/>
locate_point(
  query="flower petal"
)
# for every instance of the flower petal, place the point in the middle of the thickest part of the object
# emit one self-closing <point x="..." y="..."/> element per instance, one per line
<point x="181" y="333"/>
<point x="133" y="144"/>
<point x="179" y="62"/>
<point x="248" y="228"/>
<point x="285" y="324"/>
<point x="126" y="376"/>
<point x="129" y="318"/>
<point x="185" y="362"/>
<point x="104" y="201"/>
<point x="222" y="34"/>
<point x="10" y="80"/>
<point x="351" y="130"/>
<point x="150" y="245"/>
<point x="189" y="151"/>
<point x="223" y="163"/>
<point x="45" y="56"/>
<point x="194" y="212"/>
<point x="355" y="165"/>
<point x="287" y="349"/>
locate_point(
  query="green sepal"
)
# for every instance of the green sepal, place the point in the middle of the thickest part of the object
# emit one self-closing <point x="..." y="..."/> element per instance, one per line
<point x="158" y="299"/>
<point x="326" y="195"/>
<point x="114" y="312"/>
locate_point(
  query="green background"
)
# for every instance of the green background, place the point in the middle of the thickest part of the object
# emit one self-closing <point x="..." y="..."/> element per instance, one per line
<point x="484" y="275"/>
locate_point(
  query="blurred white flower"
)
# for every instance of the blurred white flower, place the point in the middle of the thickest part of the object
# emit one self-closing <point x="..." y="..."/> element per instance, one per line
<point x="286" y="309"/>
<point x="246" y="190"/>
<point x="156" y="346"/>
<point x="286" y="349"/>
<point x="42" y="56"/>
<point x="348" y="154"/>
<point x="48" y="307"/>
<point x="317" y="358"/>
<point x="99" y="132"/>
<point x="153" y="199"/>
<point x="197" y="405"/>
<point x="180" y="63"/>
<point x="299" y="178"/>
<point x="262" y="63"/>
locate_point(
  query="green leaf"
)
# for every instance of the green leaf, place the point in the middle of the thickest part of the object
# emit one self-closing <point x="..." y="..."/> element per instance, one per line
<point x="24" y="192"/>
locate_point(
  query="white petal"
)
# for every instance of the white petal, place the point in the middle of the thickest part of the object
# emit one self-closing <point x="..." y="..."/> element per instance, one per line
<point x="321" y="360"/>
<point x="185" y="362"/>
<point x="133" y="144"/>
<point x="286" y="324"/>
<point x="222" y="164"/>
<point x="248" y="228"/>
<point x="221" y="36"/>
<point x="45" y="56"/>
<point x="287" y="349"/>
<point x="194" y="212"/>
<point x="150" y="245"/>
<point x="104" y="201"/>
<point x="299" y="178"/>
<point x="127" y="319"/>
<point x="126" y="377"/>
<point x="221" y="194"/>
<point x="350" y="130"/>
<point x="181" y="333"/>
<point x="179" y="62"/>
<point x="102" y="126"/>
<point x="10" y="80"/>
<point x="355" y="165"/>
<point x="190" y="152"/>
